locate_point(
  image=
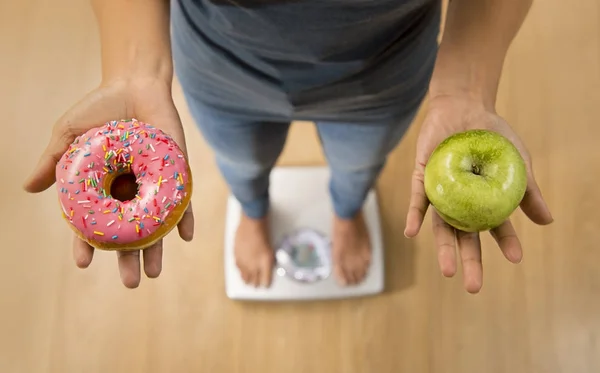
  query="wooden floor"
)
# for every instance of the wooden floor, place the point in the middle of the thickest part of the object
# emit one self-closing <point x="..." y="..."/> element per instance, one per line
<point x="542" y="316"/>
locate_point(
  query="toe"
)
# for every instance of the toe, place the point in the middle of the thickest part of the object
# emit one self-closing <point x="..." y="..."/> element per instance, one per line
<point x="366" y="256"/>
<point x="250" y="275"/>
<point x="256" y="277"/>
<point x="244" y="273"/>
<point x="360" y="274"/>
<point x="266" y="273"/>
<point x="339" y="275"/>
<point x="246" y="277"/>
<point x="351" y="274"/>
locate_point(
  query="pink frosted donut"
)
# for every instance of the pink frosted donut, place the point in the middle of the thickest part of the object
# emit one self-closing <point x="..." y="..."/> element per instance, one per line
<point x="98" y="159"/>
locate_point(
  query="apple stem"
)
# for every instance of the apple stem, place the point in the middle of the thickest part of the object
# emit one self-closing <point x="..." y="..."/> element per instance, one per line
<point x="475" y="169"/>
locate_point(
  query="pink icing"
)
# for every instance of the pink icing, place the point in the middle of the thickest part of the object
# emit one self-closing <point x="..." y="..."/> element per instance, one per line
<point x="117" y="147"/>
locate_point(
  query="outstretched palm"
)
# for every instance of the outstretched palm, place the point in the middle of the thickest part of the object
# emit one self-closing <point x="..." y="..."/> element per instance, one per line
<point x="448" y="115"/>
<point x="147" y="100"/>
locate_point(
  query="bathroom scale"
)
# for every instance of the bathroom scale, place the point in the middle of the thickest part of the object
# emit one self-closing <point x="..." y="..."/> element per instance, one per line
<point x="300" y="222"/>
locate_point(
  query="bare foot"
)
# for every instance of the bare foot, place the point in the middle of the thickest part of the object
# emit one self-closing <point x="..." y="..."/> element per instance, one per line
<point x="351" y="250"/>
<point x="254" y="255"/>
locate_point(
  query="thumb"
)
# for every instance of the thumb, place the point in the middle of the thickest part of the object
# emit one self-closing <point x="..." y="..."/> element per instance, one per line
<point x="95" y="108"/>
<point x="418" y="202"/>
<point x="43" y="175"/>
<point x="533" y="204"/>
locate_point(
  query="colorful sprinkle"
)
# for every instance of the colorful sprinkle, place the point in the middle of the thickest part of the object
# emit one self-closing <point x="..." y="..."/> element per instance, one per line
<point x="121" y="147"/>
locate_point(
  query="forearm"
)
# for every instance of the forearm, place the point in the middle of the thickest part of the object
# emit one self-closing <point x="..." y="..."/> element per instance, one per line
<point x="134" y="37"/>
<point x="476" y="39"/>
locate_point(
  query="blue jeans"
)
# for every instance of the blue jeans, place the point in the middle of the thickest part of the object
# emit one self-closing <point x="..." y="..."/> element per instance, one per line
<point x="247" y="149"/>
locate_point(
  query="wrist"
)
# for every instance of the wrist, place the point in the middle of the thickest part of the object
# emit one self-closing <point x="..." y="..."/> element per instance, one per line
<point x="473" y="80"/>
<point x="139" y="66"/>
<point x="137" y="83"/>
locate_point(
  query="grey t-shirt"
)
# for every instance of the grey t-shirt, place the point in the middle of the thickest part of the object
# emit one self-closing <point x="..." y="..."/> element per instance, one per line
<point x="306" y="58"/>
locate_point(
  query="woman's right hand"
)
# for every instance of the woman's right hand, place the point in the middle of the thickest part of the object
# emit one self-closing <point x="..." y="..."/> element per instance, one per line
<point x="146" y="99"/>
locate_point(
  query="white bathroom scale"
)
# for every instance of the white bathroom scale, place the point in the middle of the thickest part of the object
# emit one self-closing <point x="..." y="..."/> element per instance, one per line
<point x="300" y="221"/>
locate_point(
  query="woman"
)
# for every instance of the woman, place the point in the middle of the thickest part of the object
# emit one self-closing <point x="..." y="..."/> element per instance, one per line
<point x="359" y="69"/>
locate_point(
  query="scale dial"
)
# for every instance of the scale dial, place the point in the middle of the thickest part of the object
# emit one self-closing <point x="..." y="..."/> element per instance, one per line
<point x="304" y="256"/>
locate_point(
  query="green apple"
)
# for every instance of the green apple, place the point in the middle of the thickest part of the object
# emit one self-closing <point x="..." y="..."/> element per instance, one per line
<point x="475" y="180"/>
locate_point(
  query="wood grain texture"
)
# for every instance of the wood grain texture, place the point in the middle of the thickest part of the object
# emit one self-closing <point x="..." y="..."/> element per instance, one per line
<point x="542" y="316"/>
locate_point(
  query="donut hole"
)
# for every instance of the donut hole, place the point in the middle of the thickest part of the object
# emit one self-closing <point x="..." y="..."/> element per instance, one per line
<point x="124" y="187"/>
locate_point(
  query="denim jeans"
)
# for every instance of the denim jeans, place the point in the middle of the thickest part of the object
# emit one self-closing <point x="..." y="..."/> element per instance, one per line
<point x="247" y="149"/>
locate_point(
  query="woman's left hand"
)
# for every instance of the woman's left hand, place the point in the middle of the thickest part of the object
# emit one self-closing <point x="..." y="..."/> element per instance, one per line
<point x="448" y="115"/>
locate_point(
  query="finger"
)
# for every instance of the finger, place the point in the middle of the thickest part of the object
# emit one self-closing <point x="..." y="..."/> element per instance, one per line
<point x="153" y="259"/>
<point x="469" y="247"/>
<point x="418" y="203"/>
<point x="129" y="268"/>
<point x="509" y="243"/>
<point x="186" y="225"/>
<point x="446" y="245"/>
<point x="82" y="252"/>
<point x="533" y="204"/>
